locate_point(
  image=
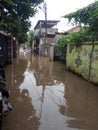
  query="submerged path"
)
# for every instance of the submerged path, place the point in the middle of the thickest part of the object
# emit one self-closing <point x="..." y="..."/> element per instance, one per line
<point x="47" y="97"/>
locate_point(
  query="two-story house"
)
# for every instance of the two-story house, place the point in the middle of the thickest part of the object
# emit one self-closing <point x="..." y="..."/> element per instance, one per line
<point x="45" y="32"/>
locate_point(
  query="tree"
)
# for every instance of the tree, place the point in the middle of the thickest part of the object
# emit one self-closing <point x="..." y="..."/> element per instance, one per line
<point x="15" y="16"/>
<point x="87" y="16"/>
<point x="28" y="39"/>
<point x="31" y="33"/>
<point x="61" y="47"/>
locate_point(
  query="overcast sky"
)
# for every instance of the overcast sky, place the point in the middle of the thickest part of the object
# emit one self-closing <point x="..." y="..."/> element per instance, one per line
<point x="58" y="8"/>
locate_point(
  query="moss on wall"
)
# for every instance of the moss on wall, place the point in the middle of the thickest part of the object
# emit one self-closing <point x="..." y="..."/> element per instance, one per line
<point x="78" y="60"/>
<point x="94" y="70"/>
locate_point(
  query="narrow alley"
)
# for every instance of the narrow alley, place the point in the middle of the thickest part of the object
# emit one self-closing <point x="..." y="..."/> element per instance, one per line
<point x="47" y="97"/>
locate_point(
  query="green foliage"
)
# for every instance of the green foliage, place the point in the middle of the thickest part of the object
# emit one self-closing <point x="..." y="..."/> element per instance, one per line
<point x="87" y="16"/>
<point x="15" y="16"/>
<point x="76" y="38"/>
<point x="31" y="33"/>
<point x="60" y="48"/>
<point x="28" y="39"/>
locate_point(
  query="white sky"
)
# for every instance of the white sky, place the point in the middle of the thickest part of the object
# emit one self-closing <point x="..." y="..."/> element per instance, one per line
<point x="58" y="8"/>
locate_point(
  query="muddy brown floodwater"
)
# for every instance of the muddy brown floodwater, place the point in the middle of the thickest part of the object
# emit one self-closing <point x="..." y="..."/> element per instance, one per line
<point x="47" y="97"/>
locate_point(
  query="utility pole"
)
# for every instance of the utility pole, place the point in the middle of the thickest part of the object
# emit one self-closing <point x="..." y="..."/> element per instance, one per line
<point x="44" y="9"/>
<point x="45" y="12"/>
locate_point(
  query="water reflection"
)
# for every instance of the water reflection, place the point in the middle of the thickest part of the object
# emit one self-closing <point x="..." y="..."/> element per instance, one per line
<point x="46" y="94"/>
<point x="47" y="97"/>
<point x="23" y="115"/>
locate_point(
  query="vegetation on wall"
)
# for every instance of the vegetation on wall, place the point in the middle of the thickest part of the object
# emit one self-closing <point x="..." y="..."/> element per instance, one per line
<point x="60" y="48"/>
<point x="87" y="16"/>
<point x="87" y="19"/>
<point x="74" y="38"/>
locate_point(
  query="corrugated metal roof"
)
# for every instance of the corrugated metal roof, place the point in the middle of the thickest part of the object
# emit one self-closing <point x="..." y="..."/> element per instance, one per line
<point x="44" y="23"/>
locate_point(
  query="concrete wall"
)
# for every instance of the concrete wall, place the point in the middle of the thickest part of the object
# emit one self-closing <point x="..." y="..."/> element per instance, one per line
<point x="51" y="52"/>
<point x="78" y="60"/>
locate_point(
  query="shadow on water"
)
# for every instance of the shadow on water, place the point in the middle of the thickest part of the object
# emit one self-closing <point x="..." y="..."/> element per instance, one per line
<point x="47" y="97"/>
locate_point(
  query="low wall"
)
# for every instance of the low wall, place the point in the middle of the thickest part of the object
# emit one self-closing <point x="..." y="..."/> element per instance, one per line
<point x="80" y="60"/>
<point x="51" y="52"/>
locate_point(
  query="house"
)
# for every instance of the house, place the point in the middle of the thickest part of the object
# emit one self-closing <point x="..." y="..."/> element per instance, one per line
<point x="44" y="35"/>
<point x="7" y="48"/>
<point x="3" y="49"/>
<point x="74" y="29"/>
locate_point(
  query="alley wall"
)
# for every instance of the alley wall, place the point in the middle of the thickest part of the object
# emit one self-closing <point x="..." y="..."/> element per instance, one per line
<point x="83" y="60"/>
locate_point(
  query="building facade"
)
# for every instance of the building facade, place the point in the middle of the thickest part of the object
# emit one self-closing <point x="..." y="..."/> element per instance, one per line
<point x="44" y="35"/>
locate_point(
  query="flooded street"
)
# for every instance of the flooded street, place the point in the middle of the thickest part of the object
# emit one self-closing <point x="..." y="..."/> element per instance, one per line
<point x="47" y="97"/>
